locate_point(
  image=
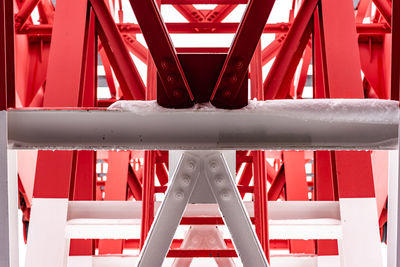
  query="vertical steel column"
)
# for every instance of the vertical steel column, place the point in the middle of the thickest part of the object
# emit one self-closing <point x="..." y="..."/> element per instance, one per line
<point x="296" y="190"/>
<point x="3" y="64"/>
<point x="261" y="200"/>
<point x="64" y="84"/>
<point x="148" y="195"/>
<point x="116" y="186"/>
<point x="393" y="220"/>
<point x="393" y="256"/>
<point x="7" y="68"/>
<point x="259" y="168"/>
<point x="324" y="190"/>
<point x="395" y="71"/>
<point x="83" y="184"/>
<point x="8" y="200"/>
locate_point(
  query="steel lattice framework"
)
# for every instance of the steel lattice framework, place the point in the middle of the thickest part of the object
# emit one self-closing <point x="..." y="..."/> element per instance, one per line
<point x="342" y="49"/>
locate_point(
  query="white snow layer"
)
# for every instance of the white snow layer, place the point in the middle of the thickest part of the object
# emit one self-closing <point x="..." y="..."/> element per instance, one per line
<point x="330" y="110"/>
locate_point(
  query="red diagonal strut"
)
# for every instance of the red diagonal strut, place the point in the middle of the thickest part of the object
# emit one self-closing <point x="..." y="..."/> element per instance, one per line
<point x="237" y="62"/>
<point x="176" y="87"/>
<point x="277" y="83"/>
<point x="131" y="84"/>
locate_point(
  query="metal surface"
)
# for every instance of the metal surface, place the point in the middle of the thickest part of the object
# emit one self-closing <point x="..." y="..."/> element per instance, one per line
<point x="8" y="201"/>
<point x="50" y="60"/>
<point x="258" y="128"/>
<point x="171" y="211"/>
<point x="212" y="167"/>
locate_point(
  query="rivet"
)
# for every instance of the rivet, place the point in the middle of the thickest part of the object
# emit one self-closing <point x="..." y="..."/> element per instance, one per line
<point x="233" y="79"/>
<point x="164" y="64"/>
<point x="225" y="195"/>
<point x="179" y="195"/>
<point x="186" y="180"/>
<point x="213" y="165"/>
<point x="219" y="180"/>
<point x="191" y="165"/>
<point x="227" y="93"/>
<point x="177" y="93"/>
<point x="171" y="79"/>
<point x="238" y="64"/>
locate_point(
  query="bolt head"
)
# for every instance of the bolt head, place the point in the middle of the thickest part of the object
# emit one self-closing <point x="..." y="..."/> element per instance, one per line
<point x="179" y="195"/>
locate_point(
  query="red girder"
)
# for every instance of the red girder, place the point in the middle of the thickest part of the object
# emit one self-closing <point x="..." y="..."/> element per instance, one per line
<point x="395" y="60"/>
<point x="236" y="64"/>
<point x="203" y="2"/>
<point x="176" y="91"/>
<point x="277" y="83"/>
<point x="128" y="77"/>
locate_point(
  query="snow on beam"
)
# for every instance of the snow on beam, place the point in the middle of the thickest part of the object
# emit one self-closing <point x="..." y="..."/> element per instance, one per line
<point x="278" y="124"/>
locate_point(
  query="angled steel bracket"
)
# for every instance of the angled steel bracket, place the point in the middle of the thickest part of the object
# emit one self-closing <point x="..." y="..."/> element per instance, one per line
<point x="192" y="167"/>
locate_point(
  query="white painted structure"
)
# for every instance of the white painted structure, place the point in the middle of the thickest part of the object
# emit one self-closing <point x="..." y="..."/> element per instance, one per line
<point x="366" y="125"/>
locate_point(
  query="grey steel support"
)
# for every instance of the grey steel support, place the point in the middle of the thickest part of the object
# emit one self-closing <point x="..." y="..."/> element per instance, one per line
<point x="393" y="224"/>
<point x="234" y="213"/>
<point x="8" y="200"/>
<point x="209" y="165"/>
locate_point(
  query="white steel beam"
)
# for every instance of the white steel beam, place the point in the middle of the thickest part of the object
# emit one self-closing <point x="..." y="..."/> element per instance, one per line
<point x="8" y="200"/>
<point x="48" y="245"/>
<point x="393" y="220"/>
<point x="278" y="124"/>
<point x="192" y="167"/>
<point x="171" y="211"/>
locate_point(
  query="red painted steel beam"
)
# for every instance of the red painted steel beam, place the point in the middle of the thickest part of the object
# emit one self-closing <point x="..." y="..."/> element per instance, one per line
<point x="176" y="88"/>
<point x="134" y="184"/>
<point x="7" y="55"/>
<point x="3" y="64"/>
<point x="299" y="87"/>
<point x="324" y="190"/>
<point x="385" y="9"/>
<point x="66" y="65"/>
<point x="115" y="190"/>
<point x="237" y="62"/>
<point x="202" y="253"/>
<point x="296" y="190"/>
<point x="270" y="51"/>
<point x="203" y="2"/>
<point x="83" y="180"/>
<point x="277" y="185"/>
<point x="176" y="243"/>
<point x="362" y="10"/>
<point x="136" y="48"/>
<point x="277" y="83"/>
<point x="148" y="195"/>
<point x="128" y="77"/>
<point x="25" y="12"/>
<point x="261" y="200"/>
<point x="44" y="30"/>
<point x="46" y="12"/>
<point x="219" y="13"/>
<point x="109" y="74"/>
<point x="83" y="189"/>
<point x="190" y="13"/>
<point x="395" y="60"/>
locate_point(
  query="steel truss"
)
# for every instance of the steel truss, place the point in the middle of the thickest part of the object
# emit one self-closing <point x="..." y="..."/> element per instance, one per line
<point x="51" y="65"/>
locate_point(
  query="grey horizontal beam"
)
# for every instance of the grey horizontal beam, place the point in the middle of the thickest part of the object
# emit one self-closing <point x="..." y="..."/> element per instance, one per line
<point x="283" y="125"/>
